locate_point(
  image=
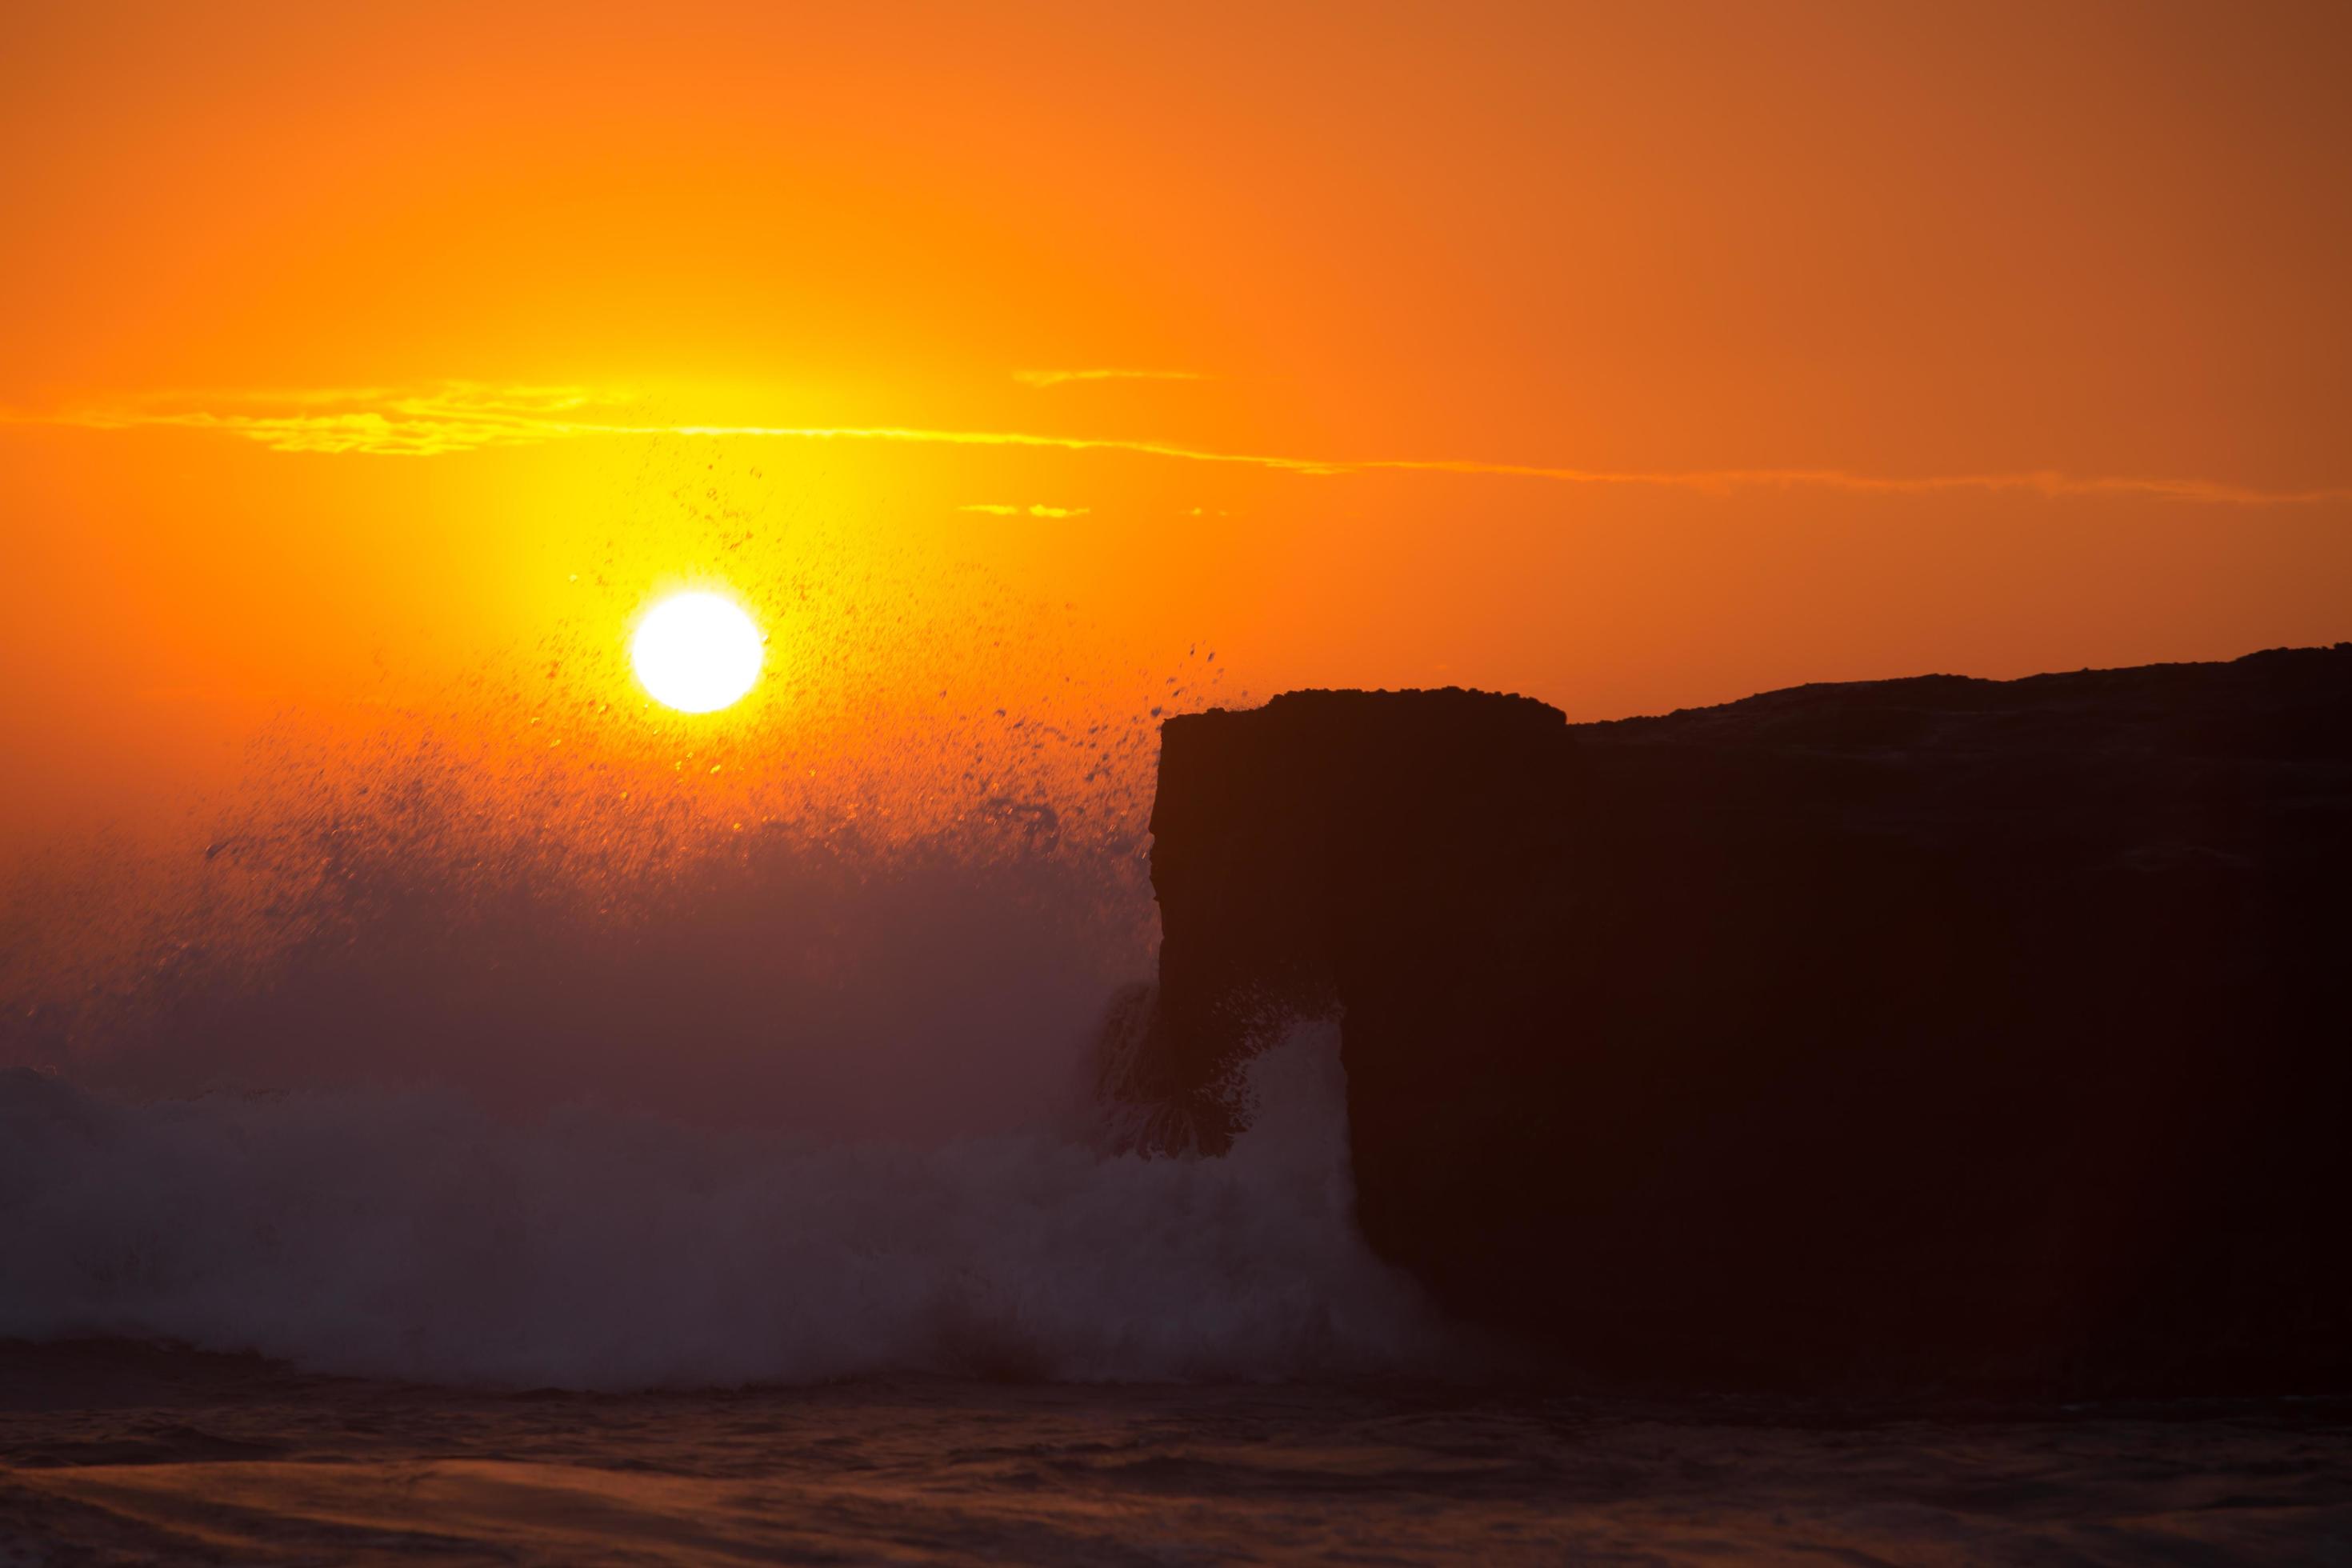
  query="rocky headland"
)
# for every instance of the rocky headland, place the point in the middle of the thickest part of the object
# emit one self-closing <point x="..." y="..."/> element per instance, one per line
<point x="1928" y="1031"/>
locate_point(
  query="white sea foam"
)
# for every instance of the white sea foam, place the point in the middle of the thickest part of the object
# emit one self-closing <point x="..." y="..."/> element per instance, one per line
<point x="411" y="1236"/>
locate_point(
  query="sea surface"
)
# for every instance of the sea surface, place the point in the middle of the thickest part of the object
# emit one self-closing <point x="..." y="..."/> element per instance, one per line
<point x="354" y="1324"/>
<point x="121" y="1453"/>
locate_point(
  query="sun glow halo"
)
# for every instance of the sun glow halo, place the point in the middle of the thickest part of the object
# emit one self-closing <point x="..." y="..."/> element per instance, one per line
<point x="697" y="652"/>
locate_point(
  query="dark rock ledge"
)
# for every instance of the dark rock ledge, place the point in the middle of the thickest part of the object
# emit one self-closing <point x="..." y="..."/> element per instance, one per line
<point x="1936" y="1031"/>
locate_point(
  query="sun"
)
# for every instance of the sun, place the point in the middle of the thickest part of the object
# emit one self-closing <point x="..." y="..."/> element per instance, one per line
<point x="697" y="652"/>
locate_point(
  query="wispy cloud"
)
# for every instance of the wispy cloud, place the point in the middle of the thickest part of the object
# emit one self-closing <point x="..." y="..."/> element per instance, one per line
<point x="450" y="416"/>
<point x="1063" y="377"/>
<point x="999" y="508"/>
<point x="463" y="416"/>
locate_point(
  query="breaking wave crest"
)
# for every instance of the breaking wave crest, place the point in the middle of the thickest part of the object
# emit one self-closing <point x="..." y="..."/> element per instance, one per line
<point x="409" y="1235"/>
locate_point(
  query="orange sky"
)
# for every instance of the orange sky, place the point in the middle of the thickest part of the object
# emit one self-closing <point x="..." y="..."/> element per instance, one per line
<point x="362" y="355"/>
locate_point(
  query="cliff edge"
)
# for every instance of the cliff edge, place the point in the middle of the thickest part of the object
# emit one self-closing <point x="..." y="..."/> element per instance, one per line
<point x="1932" y="1031"/>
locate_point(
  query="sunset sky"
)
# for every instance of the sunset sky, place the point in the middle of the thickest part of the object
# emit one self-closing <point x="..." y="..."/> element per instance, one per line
<point x="375" y="359"/>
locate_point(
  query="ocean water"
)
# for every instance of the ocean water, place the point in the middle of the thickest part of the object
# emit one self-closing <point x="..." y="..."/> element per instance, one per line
<point x="119" y="1454"/>
<point x="418" y="1185"/>
<point x="350" y="1327"/>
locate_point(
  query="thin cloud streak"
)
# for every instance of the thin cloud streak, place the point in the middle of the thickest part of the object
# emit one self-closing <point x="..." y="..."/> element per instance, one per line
<point x="455" y="416"/>
<point x="466" y="417"/>
<point x="1044" y="378"/>
<point x="1001" y="508"/>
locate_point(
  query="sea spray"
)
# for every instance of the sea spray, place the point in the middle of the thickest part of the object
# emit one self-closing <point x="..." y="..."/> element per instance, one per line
<point x="409" y="1235"/>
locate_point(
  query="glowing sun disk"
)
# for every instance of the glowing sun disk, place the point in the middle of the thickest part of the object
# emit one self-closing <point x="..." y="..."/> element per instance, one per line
<point x="697" y="652"/>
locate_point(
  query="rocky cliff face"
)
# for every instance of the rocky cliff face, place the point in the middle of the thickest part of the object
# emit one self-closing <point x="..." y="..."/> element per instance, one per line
<point x="1926" y="1031"/>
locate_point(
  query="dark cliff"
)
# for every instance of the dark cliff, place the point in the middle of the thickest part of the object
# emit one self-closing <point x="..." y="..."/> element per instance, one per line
<point x="1932" y="1031"/>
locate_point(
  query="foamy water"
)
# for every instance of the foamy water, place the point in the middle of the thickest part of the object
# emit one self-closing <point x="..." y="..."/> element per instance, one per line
<point x="410" y="1235"/>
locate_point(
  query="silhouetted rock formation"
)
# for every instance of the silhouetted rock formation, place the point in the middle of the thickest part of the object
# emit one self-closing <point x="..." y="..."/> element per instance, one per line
<point x="1937" y="1030"/>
